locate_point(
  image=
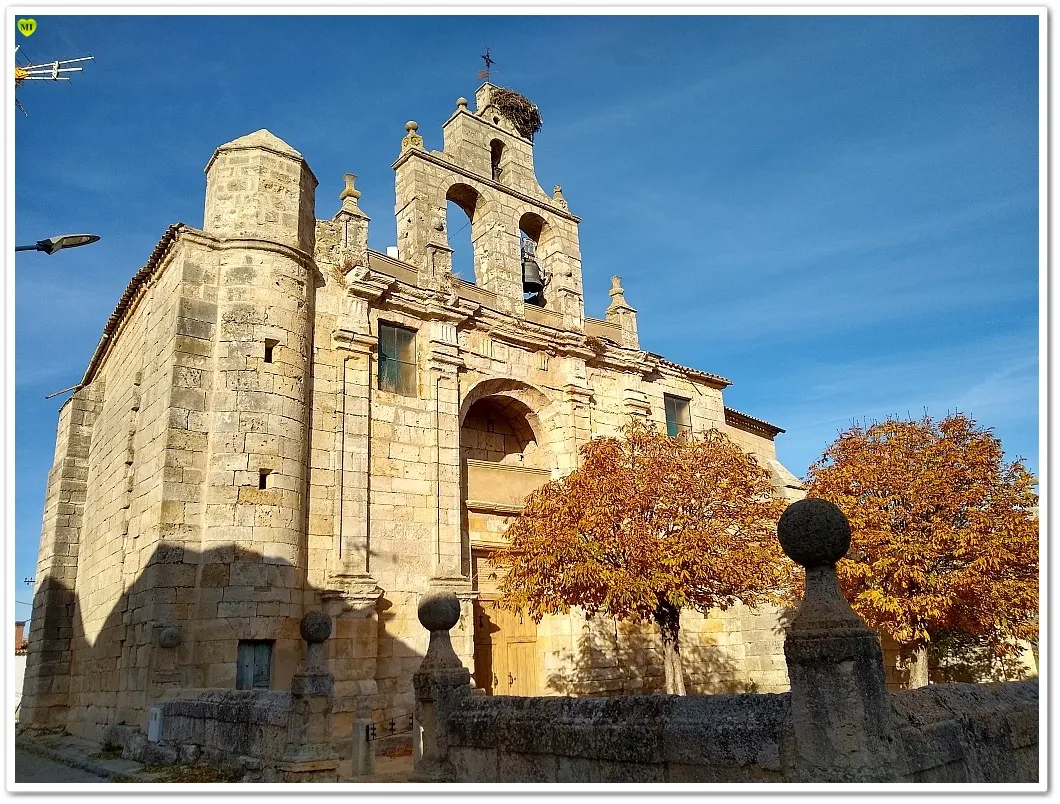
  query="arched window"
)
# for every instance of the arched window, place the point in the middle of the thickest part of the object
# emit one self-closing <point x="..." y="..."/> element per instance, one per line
<point x="496" y="150"/>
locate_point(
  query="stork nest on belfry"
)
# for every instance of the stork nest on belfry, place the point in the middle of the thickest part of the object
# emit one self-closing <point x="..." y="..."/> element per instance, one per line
<point x="519" y="109"/>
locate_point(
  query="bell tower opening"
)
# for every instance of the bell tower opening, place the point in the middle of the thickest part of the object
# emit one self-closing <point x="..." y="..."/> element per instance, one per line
<point x="458" y="233"/>
<point x="496" y="151"/>
<point x="532" y="228"/>
<point x="462" y="204"/>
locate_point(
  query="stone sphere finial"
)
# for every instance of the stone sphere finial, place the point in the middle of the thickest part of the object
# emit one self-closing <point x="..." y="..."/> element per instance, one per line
<point x="814" y="533"/>
<point x="412" y="126"/>
<point x="170" y="636"/>
<point x="315" y="626"/>
<point x="461" y="103"/>
<point x="439" y="611"/>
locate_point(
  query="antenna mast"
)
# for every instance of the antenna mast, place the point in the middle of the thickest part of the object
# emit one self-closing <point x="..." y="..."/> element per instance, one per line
<point x="45" y="71"/>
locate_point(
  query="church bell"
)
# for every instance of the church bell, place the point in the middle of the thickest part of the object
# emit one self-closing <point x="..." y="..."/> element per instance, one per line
<point x="531" y="275"/>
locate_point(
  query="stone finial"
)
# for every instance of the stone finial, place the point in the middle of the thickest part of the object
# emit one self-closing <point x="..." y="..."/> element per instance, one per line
<point x="315" y="627"/>
<point x="461" y="104"/>
<point x="349" y="191"/>
<point x="349" y="196"/>
<point x="619" y="312"/>
<point x="557" y="196"/>
<point x="815" y="534"/>
<point x="412" y="139"/>
<point x="812" y="532"/>
<point x="438" y="612"/>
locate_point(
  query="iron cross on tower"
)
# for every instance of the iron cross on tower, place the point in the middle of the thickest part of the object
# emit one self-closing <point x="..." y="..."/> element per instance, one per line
<point x="485" y="74"/>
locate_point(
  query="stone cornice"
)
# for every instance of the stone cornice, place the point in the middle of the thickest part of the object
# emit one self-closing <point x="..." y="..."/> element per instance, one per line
<point x="348" y="340"/>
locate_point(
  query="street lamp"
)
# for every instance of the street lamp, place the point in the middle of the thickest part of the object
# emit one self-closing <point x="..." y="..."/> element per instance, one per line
<point x="53" y="244"/>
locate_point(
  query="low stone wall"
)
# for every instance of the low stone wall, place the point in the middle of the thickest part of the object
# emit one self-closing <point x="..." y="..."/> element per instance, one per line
<point x="647" y="738"/>
<point x="947" y="733"/>
<point x="228" y="723"/>
<point x="969" y="732"/>
<point x="837" y="724"/>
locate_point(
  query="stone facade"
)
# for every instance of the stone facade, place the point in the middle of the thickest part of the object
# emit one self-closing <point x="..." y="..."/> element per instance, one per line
<point x="233" y="457"/>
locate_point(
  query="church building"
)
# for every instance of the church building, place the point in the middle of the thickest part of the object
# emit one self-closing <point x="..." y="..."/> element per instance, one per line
<point x="278" y="419"/>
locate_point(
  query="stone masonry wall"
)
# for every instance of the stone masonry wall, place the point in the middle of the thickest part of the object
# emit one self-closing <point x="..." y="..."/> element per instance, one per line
<point x="120" y="530"/>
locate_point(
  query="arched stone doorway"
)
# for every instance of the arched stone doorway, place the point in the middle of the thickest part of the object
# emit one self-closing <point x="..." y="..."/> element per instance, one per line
<point x="504" y="456"/>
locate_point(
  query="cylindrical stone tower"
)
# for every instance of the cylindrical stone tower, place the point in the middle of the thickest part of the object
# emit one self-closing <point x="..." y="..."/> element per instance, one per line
<point x="260" y="212"/>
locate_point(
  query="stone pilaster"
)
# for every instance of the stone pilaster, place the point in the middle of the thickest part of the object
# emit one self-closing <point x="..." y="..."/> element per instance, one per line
<point x="577" y="396"/>
<point x="48" y="661"/>
<point x="634" y="401"/>
<point x="444" y="362"/>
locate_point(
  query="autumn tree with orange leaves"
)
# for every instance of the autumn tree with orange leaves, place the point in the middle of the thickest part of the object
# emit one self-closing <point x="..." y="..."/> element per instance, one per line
<point x="647" y="526"/>
<point x="944" y="533"/>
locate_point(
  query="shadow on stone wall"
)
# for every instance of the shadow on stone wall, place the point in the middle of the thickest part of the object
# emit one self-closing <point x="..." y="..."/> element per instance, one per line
<point x="177" y="626"/>
<point x="956" y="657"/>
<point x="624" y="658"/>
<point x="953" y="657"/>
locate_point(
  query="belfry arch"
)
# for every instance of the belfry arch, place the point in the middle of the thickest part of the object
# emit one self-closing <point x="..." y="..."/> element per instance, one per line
<point x="472" y="203"/>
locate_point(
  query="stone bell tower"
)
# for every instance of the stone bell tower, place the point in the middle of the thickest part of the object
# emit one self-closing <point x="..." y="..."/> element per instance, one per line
<point x="486" y="167"/>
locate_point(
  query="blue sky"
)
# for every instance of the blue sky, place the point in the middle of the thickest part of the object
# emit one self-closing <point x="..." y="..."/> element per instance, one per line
<point x="839" y="214"/>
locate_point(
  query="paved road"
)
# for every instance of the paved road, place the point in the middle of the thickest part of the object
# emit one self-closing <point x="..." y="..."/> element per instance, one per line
<point x="32" y="768"/>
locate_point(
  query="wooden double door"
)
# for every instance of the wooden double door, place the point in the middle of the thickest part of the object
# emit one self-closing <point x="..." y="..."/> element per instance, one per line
<point x="505" y="651"/>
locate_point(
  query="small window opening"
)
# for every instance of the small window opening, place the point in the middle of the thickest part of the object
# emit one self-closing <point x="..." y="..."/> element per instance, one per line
<point x="263" y="478"/>
<point x="678" y="418"/>
<point x="254" y="664"/>
<point x="270" y="344"/>
<point x="496" y="149"/>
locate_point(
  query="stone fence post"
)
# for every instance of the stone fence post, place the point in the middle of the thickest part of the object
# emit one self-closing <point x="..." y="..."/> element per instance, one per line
<point x="841" y="714"/>
<point x="440" y="684"/>
<point x="361" y="749"/>
<point x="308" y="755"/>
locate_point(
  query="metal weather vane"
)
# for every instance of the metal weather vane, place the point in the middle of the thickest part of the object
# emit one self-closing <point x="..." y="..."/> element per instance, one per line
<point x="45" y="71"/>
<point x="485" y="74"/>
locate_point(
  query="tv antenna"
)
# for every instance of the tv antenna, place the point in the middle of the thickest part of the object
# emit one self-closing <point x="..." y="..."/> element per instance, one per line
<point x="45" y="71"/>
<point x="485" y="74"/>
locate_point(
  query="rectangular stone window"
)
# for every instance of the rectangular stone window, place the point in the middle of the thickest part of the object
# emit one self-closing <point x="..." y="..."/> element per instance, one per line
<point x="270" y="345"/>
<point x="254" y="664"/>
<point x="263" y="476"/>
<point x="678" y="417"/>
<point x="397" y="360"/>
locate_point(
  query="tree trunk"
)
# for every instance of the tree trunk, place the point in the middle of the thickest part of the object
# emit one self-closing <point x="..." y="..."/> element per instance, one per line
<point x="918" y="668"/>
<point x="668" y="618"/>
